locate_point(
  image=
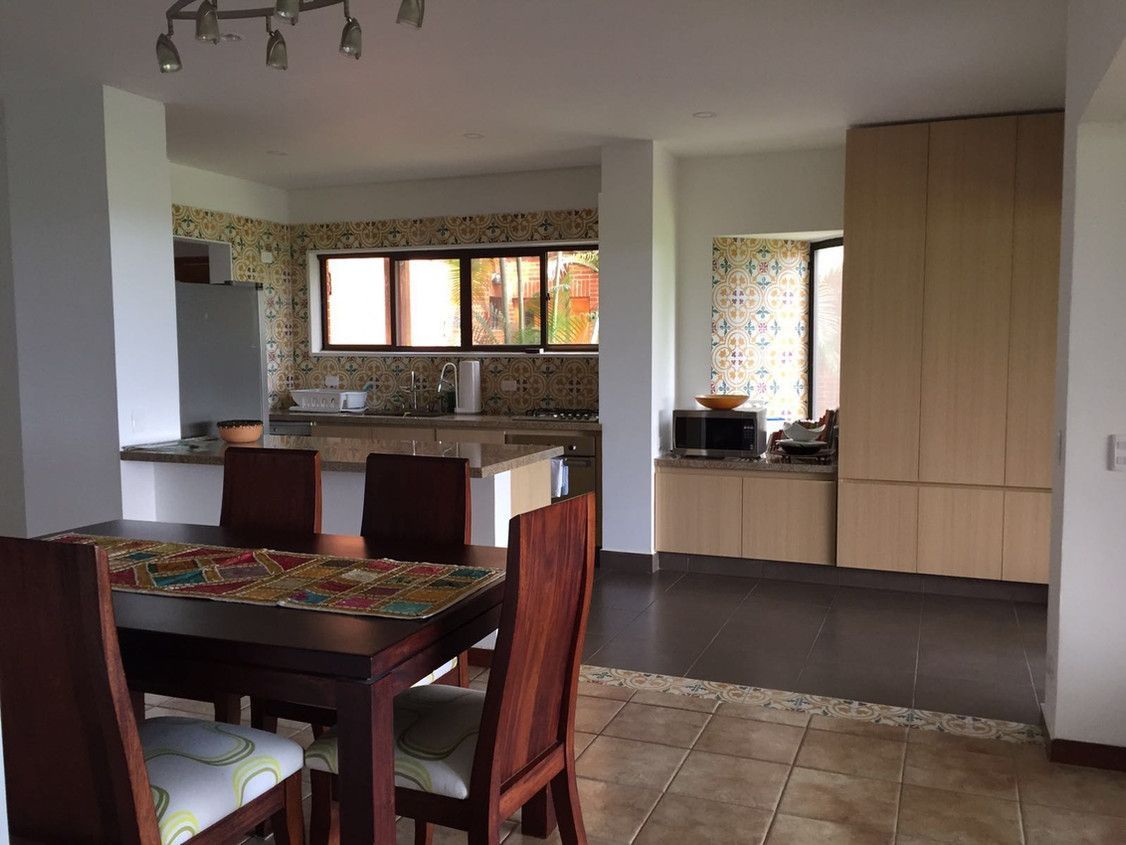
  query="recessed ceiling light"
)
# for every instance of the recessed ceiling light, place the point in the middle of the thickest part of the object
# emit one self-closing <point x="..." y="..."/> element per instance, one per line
<point x="704" y="115"/>
<point x="276" y="153"/>
<point x="230" y="37"/>
<point x="472" y="136"/>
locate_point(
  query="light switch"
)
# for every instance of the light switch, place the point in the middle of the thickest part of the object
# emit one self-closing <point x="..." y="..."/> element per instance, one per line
<point x="267" y="257"/>
<point x="1117" y="456"/>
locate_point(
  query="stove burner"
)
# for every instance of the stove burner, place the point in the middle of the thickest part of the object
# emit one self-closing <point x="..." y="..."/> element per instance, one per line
<point x="581" y="414"/>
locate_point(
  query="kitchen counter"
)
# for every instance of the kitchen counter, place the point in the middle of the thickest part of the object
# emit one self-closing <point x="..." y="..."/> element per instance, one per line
<point x="668" y="461"/>
<point x="349" y="454"/>
<point x="443" y="421"/>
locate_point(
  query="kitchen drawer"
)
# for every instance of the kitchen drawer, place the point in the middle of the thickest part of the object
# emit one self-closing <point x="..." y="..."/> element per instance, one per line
<point x="960" y="531"/>
<point x="470" y="435"/>
<point x="877" y="526"/>
<point x="373" y="432"/>
<point x="699" y="513"/>
<point x="790" y="520"/>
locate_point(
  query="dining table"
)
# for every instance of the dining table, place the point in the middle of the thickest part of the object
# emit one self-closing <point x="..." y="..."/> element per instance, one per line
<point x="354" y="665"/>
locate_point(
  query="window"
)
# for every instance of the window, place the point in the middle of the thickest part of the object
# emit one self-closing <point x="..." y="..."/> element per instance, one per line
<point x="827" y="258"/>
<point x="482" y="299"/>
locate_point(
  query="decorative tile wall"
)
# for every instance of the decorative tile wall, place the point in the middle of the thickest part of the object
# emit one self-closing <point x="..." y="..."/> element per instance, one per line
<point x="760" y="322"/>
<point x="541" y="380"/>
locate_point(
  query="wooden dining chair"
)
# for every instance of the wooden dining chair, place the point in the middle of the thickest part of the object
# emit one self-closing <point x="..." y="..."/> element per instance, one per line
<point x="77" y="765"/>
<point x="468" y="759"/>
<point x="271" y="490"/>
<point x="415" y="497"/>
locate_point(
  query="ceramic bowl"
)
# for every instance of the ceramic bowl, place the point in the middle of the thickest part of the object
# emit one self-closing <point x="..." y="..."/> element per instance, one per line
<point x="797" y="431"/>
<point x="240" y="431"/>
<point x="722" y="401"/>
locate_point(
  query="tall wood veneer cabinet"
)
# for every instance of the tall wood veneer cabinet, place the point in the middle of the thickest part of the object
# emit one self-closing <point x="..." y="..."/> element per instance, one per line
<point x="948" y="346"/>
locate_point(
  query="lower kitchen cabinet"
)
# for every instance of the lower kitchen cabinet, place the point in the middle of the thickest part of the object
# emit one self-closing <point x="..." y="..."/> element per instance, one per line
<point x="789" y="519"/>
<point x="1027" y="536"/>
<point x="960" y="531"/>
<point x="382" y="432"/>
<point x="699" y="513"/>
<point x="878" y="526"/>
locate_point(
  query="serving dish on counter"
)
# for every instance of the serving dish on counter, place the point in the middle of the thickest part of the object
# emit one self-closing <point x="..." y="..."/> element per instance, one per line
<point x="722" y="401"/>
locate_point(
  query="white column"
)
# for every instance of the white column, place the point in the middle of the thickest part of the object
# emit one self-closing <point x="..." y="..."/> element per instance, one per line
<point x="637" y="262"/>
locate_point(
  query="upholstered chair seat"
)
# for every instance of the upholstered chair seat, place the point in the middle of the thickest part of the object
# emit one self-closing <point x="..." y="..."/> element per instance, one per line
<point x="436" y="730"/>
<point x="200" y="772"/>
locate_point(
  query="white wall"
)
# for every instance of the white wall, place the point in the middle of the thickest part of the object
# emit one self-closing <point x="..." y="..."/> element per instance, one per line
<point x="204" y="189"/>
<point x="144" y="296"/>
<point x="12" y="516"/>
<point x="800" y="191"/>
<point x="63" y="306"/>
<point x="542" y="190"/>
<point x="664" y="297"/>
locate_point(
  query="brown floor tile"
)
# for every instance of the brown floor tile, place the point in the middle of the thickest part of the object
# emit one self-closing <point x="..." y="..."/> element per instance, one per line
<point x="858" y="728"/>
<point x="582" y="740"/>
<point x="944" y="816"/>
<point x="1094" y="791"/>
<point x="733" y="780"/>
<point x="679" y="820"/>
<point x="605" y="691"/>
<point x="748" y="738"/>
<point x="593" y="714"/>
<point x="791" y="830"/>
<point x="680" y="702"/>
<point x="612" y="811"/>
<point x="738" y="710"/>
<point x="631" y="763"/>
<point x="852" y="755"/>
<point x="664" y="725"/>
<point x="1050" y="825"/>
<point x="961" y="771"/>
<point x="833" y="797"/>
<point x="942" y="739"/>
<point x="203" y="709"/>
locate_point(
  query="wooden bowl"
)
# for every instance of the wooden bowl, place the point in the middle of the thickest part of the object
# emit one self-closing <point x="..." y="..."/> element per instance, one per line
<point x="722" y="401"/>
<point x="240" y="431"/>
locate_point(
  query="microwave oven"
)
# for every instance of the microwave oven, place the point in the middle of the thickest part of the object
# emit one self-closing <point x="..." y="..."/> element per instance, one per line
<point x="719" y="434"/>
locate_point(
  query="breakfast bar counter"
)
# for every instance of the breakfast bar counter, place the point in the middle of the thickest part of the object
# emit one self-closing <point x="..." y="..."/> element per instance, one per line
<point x="182" y="480"/>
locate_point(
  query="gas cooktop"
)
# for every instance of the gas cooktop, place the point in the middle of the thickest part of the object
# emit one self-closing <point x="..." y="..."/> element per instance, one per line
<point x="576" y="414"/>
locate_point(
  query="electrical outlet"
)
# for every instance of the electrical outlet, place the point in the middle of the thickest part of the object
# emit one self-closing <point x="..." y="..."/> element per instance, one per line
<point x="508" y="385"/>
<point x="267" y="257"/>
<point x="332" y="382"/>
<point x="1117" y="456"/>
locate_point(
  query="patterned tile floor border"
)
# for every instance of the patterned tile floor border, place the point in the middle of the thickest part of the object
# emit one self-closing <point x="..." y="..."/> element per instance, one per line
<point x="880" y="714"/>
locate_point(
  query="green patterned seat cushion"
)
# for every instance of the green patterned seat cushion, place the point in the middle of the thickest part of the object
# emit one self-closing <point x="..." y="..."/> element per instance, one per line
<point x="201" y="772"/>
<point x="437" y="673"/>
<point x="435" y="737"/>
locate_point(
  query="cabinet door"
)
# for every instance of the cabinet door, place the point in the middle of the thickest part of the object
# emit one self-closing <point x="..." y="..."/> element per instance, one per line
<point x="1028" y="532"/>
<point x="966" y="303"/>
<point x="1036" y="279"/>
<point x="470" y="435"/>
<point x="373" y="432"/>
<point x="699" y="513"/>
<point x="960" y="531"/>
<point x="882" y="310"/>
<point x="789" y="519"/>
<point x="877" y="526"/>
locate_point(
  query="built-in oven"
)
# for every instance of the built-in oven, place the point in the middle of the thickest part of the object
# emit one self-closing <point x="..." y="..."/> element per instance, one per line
<point x="580" y="458"/>
<point x="719" y="434"/>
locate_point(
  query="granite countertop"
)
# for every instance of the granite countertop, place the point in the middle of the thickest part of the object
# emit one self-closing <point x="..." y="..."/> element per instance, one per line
<point x="491" y="421"/>
<point x="349" y="454"/>
<point x="745" y="465"/>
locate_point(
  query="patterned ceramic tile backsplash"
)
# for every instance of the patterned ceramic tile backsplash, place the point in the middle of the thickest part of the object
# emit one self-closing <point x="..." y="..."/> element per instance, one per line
<point x="541" y="380"/>
<point x="760" y="322"/>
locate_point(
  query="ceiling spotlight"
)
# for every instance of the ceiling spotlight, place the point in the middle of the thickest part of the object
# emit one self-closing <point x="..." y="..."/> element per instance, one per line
<point x="352" y="39"/>
<point x="207" y="22"/>
<point x="277" y="56"/>
<point x="411" y="12"/>
<point x="472" y="136"/>
<point x="288" y="10"/>
<point x="703" y="115"/>
<point x="167" y="56"/>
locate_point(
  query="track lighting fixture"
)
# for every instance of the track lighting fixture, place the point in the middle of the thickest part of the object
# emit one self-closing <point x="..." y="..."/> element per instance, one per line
<point x="208" y="18"/>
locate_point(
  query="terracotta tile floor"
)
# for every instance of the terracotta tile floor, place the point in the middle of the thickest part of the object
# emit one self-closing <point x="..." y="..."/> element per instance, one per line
<point x="659" y="769"/>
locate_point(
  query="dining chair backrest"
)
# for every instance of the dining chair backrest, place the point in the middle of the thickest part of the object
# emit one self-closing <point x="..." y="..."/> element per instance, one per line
<point x="533" y="682"/>
<point x="271" y="490"/>
<point x="416" y="497"/>
<point x="73" y="763"/>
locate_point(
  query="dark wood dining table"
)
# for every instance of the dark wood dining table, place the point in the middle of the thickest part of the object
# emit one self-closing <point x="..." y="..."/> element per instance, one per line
<point x="354" y="665"/>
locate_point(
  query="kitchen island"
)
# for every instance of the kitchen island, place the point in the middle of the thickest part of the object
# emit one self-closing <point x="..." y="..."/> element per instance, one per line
<point x="182" y="480"/>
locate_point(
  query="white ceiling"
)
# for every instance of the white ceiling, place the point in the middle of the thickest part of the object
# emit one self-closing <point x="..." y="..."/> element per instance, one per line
<point x="547" y="82"/>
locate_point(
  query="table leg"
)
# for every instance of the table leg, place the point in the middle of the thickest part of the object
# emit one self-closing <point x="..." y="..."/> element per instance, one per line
<point x="537" y="818"/>
<point x="367" y="762"/>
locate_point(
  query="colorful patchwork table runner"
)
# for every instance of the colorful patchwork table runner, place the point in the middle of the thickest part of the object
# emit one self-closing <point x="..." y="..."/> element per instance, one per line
<point x="381" y="587"/>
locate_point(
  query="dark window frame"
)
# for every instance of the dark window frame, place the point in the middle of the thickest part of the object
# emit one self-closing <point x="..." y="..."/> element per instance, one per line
<point x="814" y="246"/>
<point x="464" y="257"/>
